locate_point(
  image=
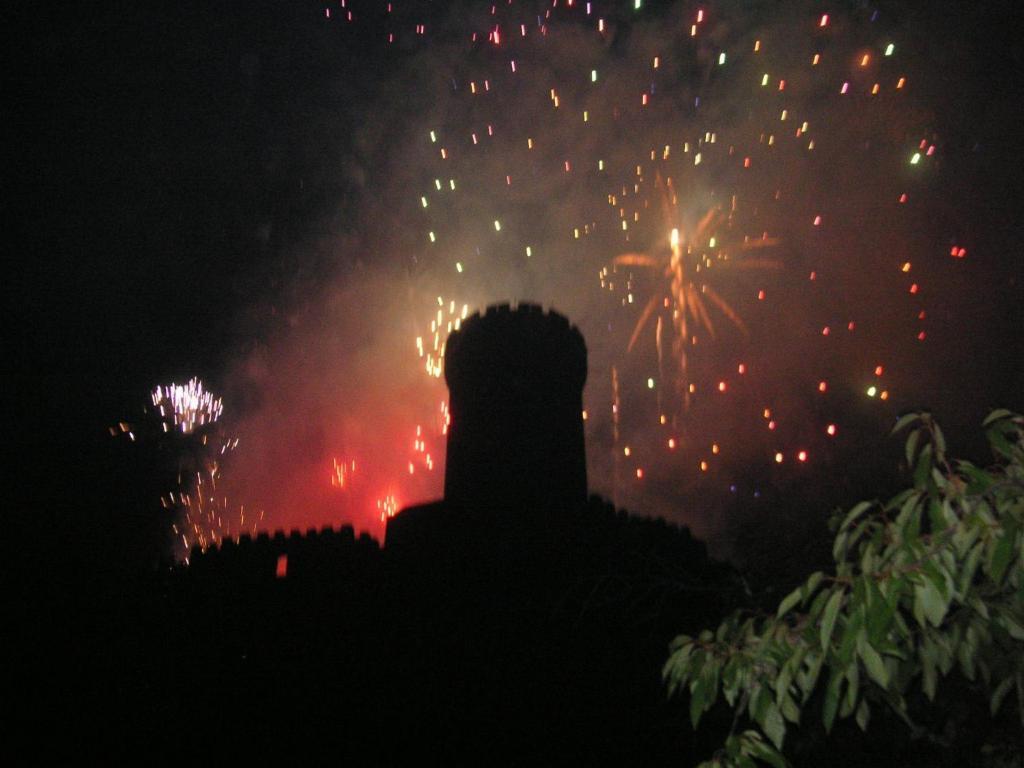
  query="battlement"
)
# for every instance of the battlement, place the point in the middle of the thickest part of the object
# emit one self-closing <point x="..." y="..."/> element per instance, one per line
<point x="514" y="349"/>
<point x="294" y="554"/>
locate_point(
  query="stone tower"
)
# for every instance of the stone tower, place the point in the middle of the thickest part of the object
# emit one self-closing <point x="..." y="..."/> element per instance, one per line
<point x="515" y="378"/>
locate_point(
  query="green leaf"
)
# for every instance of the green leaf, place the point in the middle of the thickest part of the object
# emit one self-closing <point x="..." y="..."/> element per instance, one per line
<point x="997" y="415"/>
<point x="911" y="447"/>
<point x="1001" y="555"/>
<point x="757" y="748"/>
<point x="873" y="662"/>
<point x="828" y="619"/>
<point x="812" y="583"/>
<point x="879" y="614"/>
<point x="789" y="601"/>
<point x="970" y="567"/>
<point x="999" y="694"/>
<point x="835" y="687"/>
<point x="932" y="605"/>
<point x="863" y="714"/>
<point x="904" y="421"/>
<point x="856" y="512"/>
<point x="852" y="689"/>
<point x="923" y="467"/>
<point x="774" y="726"/>
<point x="697" y="700"/>
<point x="929" y="676"/>
<point x="940" y="440"/>
<point x="789" y="709"/>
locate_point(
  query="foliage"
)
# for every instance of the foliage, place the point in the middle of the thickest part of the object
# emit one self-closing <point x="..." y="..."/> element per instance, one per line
<point x="926" y="585"/>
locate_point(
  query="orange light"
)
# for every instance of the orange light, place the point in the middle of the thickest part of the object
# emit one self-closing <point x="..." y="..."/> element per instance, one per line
<point x="778" y="458"/>
<point x="822" y="386"/>
<point x="802" y="456"/>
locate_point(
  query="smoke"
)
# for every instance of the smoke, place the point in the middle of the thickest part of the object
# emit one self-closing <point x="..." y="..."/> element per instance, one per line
<point x="487" y="171"/>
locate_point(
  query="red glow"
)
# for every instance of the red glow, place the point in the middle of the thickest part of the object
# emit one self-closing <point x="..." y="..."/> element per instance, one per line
<point x="281" y="570"/>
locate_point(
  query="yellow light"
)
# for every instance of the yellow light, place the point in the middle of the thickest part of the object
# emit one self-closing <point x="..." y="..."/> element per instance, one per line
<point x="872" y="391"/>
<point x="497" y="226"/>
<point x="650" y="383"/>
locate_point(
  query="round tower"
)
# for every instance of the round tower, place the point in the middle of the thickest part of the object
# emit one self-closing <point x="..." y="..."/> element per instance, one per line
<point x="515" y="378"/>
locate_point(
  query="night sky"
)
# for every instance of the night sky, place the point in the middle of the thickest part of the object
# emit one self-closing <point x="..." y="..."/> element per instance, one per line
<point x="271" y="197"/>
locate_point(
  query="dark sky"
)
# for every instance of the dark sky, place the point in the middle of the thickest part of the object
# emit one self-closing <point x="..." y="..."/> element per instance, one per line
<point x="189" y="183"/>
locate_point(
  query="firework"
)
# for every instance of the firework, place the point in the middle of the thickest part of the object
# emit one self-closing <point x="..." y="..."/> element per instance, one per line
<point x="186" y="407"/>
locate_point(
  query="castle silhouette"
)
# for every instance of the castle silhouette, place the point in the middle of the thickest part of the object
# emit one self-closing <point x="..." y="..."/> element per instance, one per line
<point x="515" y="620"/>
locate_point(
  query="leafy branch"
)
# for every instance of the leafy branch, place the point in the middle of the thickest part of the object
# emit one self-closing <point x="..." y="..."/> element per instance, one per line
<point x="927" y="583"/>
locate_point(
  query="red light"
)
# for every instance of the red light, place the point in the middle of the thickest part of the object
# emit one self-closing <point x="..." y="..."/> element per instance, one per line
<point x="831" y="430"/>
<point x="760" y="295"/>
<point x="913" y="288"/>
<point x="639" y="474"/>
<point x="878" y="370"/>
<point x="802" y="456"/>
<point x="281" y="571"/>
<point x="825" y="331"/>
<point x="741" y="368"/>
